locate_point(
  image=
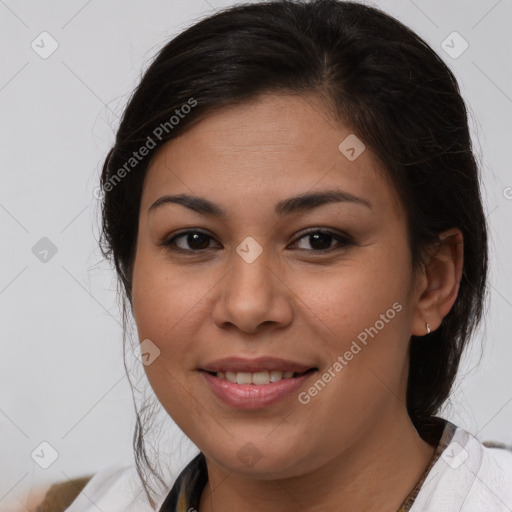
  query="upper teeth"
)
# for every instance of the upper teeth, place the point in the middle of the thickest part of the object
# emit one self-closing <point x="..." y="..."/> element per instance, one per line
<point x="264" y="377"/>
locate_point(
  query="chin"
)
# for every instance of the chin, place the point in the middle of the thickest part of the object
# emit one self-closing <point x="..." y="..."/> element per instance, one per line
<point x="263" y="459"/>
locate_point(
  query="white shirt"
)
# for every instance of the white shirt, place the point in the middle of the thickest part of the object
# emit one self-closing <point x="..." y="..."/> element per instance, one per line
<point x="467" y="477"/>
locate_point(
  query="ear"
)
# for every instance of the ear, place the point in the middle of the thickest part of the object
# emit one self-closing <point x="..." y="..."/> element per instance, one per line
<point x="438" y="284"/>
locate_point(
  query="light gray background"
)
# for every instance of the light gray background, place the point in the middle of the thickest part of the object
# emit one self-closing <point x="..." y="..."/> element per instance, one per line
<point x="62" y="377"/>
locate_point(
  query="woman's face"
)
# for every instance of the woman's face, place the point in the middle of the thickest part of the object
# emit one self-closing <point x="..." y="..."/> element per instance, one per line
<point x="323" y="284"/>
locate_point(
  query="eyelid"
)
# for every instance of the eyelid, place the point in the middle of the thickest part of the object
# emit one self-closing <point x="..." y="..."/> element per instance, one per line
<point x="167" y="242"/>
<point x="341" y="237"/>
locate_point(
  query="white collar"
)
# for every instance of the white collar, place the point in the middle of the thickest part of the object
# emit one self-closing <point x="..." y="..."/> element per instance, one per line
<point x="467" y="477"/>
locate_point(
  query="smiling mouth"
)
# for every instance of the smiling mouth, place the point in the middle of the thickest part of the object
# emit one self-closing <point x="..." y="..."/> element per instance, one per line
<point x="259" y="378"/>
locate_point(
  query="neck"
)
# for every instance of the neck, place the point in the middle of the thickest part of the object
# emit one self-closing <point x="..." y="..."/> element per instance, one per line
<point x="382" y="468"/>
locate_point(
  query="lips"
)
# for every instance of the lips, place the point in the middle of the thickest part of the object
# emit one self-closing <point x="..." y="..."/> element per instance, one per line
<point x="255" y="383"/>
<point x="260" y="364"/>
<point x="252" y="396"/>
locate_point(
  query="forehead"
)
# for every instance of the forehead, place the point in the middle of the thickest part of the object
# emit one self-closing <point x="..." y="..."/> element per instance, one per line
<point x="265" y="149"/>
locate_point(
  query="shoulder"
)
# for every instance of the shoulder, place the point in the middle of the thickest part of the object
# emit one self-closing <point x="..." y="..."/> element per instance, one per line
<point x="59" y="495"/>
<point x="495" y="473"/>
<point x="469" y="475"/>
<point x="113" y="488"/>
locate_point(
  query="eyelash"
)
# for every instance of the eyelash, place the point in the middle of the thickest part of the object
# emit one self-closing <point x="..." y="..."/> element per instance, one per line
<point x="343" y="241"/>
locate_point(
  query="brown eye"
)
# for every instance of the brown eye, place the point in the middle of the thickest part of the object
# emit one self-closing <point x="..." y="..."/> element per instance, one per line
<point x="321" y="240"/>
<point x="189" y="241"/>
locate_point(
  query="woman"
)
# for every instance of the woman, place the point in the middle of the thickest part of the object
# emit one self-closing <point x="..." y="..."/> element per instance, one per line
<point x="293" y="209"/>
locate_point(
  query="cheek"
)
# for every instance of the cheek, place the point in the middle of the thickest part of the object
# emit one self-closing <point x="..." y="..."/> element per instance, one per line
<point x="362" y="314"/>
<point x="352" y="297"/>
<point x="364" y="329"/>
<point x="167" y="306"/>
<point x="163" y="297"/>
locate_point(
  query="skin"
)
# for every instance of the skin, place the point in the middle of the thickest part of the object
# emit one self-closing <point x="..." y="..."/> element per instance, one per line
<point x="354" y="443"/>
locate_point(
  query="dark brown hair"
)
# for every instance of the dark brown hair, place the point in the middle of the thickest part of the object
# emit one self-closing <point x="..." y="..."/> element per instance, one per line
<point x="383" y="81"/>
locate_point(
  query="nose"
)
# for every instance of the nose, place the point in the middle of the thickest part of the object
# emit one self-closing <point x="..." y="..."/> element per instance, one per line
<point x="253" y="296"/>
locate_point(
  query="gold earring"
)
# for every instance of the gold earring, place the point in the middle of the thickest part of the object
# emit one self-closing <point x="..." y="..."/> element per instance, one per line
<point x="428" y="328"/>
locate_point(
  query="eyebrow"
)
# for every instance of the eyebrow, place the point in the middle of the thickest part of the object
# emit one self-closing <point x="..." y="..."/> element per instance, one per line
<point x="296" y="204"/>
